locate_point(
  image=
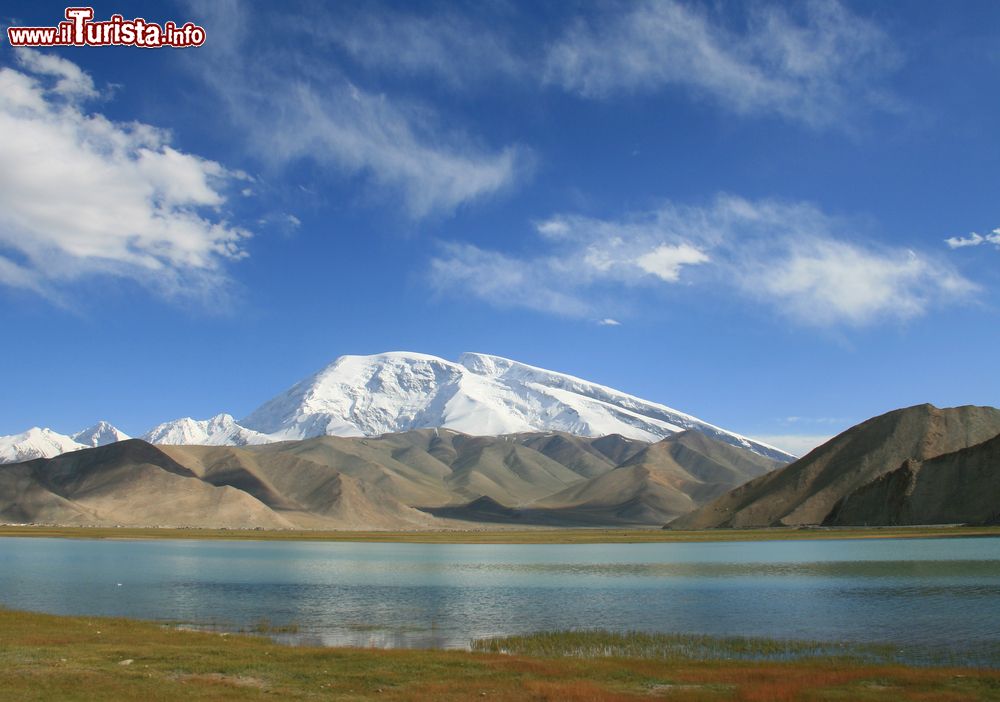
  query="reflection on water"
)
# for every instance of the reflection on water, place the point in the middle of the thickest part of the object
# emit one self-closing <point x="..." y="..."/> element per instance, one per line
<point x="938" y="592"/>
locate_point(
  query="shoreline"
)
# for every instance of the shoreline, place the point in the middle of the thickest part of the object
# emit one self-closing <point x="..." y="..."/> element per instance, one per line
<point x="540" y="535"/>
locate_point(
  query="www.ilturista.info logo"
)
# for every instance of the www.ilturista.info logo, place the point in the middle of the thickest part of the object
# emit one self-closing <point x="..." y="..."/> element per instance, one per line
<point x="79" y="29"/>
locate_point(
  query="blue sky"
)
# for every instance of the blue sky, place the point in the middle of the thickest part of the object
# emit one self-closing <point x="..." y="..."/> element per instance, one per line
<point x="779" y="218"/>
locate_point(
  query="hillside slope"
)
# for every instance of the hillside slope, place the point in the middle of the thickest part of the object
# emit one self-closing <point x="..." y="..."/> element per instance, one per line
<point x="958" y="487"/>
<point x="805" y="491"/>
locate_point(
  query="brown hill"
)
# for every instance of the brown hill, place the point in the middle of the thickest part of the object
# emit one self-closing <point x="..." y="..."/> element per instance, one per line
<point x="417" y="479"/>
<point x="306" y="493"/>
<point x="805" y="492"/>
<point x="129" y="483"/>
<point x="655" y="482"/>
<point x="659" y="482"/>
<point x="959" y="487"/>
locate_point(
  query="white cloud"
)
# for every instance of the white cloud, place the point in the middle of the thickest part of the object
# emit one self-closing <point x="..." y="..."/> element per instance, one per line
<point x="609" y="322"/>
<point x="586" y="253"/>
<point x="791" y="257"/>
<point x="795" y="444"/>
<point x="553" y="228"/>
<point x="636" y="249"/>
<point x="813" y="62"/>
<point x="974" y="239"/>
<point x="665" y="261"/>
<point x="81" y="194"/>
<point x="294" y="108"/>
<point x="71" y="81"/>
<point x="827" y="282"/>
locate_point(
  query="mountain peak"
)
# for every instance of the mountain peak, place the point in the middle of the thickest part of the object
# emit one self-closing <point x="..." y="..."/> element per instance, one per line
<point x="100" y="434"/>
<point x="481" y="394"/>
<point x="220" y="430"/>
<point x="37" y="442"/>
<point x="487" y="364"/>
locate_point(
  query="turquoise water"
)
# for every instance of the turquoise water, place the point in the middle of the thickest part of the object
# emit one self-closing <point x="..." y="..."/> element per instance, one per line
<point x="926" y="592"/>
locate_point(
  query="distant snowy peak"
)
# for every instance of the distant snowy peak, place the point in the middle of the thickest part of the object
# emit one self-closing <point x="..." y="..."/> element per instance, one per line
<point x="100" y="434"/>
<point x="220" y="430"/>
<point x="35" y="443"/>
<point x="40" y="442"/>
<point x="480" y="394"/>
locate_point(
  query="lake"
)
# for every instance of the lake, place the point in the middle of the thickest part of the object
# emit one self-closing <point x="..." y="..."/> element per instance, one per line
<point x="925" y="592"/>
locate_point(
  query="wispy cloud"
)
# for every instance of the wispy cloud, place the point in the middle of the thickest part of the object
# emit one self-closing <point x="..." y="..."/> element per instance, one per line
<point x="789" y="256"/>
<point x="81" y="194"/>
<point x="583" y="254"/>
<point x="828" y="282"/>
<point x="507" y="281"/>
<point x="815" y="62"/>
<point x="609" y="322"/>
<point x="294" y="107"/>
<point x="464" y="51"/>
<point x="974" y="239"/>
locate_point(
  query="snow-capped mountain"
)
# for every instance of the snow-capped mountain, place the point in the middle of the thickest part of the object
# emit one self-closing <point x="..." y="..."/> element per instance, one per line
<point x="35" y="443"/>
<point x="395" y="392"/>
<point x="220" y="430"/>
<point x="479" y="394"/>
<point x="100" y="434"/>
<point x="40" y="442"/>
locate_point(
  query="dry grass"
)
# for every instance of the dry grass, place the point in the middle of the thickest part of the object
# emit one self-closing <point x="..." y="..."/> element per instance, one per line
<point x="539" y="535"/>
<point x="44" y="657"/>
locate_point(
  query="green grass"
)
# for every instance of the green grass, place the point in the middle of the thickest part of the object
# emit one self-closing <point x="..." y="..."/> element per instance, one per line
<point x="44" y="657"/>
<point x="500" y="536"/>
<point x="599" y="643"/>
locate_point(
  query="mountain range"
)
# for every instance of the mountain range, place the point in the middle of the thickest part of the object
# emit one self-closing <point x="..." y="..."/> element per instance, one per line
<point x="480" y="395"/>
<point x="918" y="465"/>
<point x="43" y="443"/>
<point x="405" y="440"/>
<point x="428" y="478"/>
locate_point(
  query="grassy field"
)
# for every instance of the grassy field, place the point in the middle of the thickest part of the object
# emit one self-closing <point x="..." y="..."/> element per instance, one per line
<point x="689" y="648"/>
<point x="501" y="536"/>
<point x="44" y="657"/>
